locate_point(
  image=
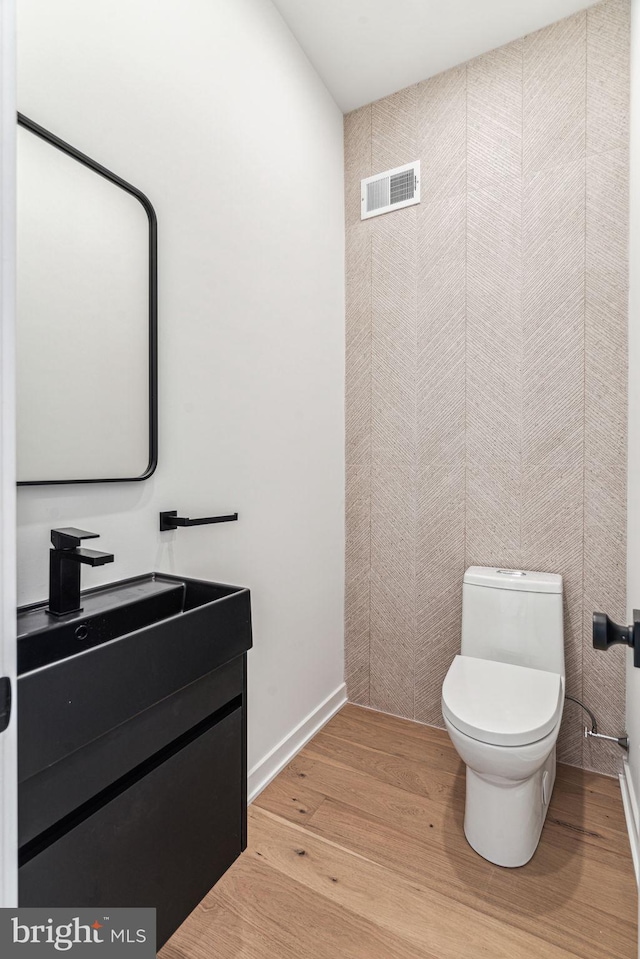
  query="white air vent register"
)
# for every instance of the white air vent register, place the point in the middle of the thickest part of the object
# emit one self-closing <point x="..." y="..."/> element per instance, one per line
<point x="391" y="190"/>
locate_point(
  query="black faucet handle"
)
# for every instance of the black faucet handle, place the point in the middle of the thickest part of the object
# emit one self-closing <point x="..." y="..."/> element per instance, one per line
<point x="69" y="537"/>
<point x="91" y="557"/>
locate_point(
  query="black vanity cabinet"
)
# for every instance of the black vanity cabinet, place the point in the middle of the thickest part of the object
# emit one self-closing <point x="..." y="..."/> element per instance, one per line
<point x="152" y="811"/>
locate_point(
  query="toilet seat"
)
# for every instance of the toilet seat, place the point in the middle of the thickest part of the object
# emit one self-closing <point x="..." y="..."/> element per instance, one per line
<point x="499" y="703"/>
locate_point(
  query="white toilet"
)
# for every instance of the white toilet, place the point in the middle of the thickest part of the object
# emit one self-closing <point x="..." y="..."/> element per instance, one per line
<point x="502" y="704"/>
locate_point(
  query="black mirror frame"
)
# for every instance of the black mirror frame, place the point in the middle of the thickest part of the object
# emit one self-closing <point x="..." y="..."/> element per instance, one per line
<point x="153" y="301"/>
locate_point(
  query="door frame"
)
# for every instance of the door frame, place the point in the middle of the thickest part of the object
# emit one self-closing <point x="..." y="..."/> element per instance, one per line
<point x="8" y="739"/>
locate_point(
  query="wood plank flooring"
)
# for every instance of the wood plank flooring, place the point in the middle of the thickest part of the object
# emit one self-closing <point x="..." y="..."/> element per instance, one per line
<point x="356" y="851"/>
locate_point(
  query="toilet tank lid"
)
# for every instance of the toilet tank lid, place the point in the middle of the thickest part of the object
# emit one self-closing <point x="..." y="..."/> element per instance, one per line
<point x="525" y="580"/>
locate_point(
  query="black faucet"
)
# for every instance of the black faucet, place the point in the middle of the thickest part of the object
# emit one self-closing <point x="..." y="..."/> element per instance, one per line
<point x="65" y="560"/>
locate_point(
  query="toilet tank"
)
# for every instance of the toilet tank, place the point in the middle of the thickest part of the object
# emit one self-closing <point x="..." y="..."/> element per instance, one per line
<point x="513" y="616"/>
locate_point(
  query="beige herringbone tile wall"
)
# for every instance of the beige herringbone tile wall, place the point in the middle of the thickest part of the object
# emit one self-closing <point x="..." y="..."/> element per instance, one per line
<point x="487" y="361"/>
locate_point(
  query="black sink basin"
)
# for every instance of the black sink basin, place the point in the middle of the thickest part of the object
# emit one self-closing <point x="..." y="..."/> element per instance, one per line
<point x="134" y="643"/>
<point x="108" y="612"/>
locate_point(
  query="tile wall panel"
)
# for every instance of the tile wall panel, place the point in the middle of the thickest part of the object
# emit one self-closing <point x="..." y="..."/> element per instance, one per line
<point x="440" y="391"/>
<point x="553" y="244"/>
<point x="494" y="307"/>
<point x="393" y="399"/>
<point x="605" y="413"/>
<point x="554" y="94"/>
<point x="608" y="38"/>
<point x="358" y="291"/>
<point x="493" y="382"/>
<point x="486" y="361"/>
<point x="393" y="444"/>
<point x="441" y="123"/>
<point x="357" y="408"/>
<point x="357" y="586"/>
<point x="393" y="130"/>
<point x="494" y="124"/>
<point x="393" y="624"/>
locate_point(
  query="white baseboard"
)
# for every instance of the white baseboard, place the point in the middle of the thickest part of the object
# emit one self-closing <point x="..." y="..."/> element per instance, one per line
<point x="630" y="803"/>
<point x="268" y="768"/>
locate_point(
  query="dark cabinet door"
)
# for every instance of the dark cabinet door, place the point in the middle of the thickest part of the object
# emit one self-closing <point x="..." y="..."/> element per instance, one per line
<point x="163" y="841"/>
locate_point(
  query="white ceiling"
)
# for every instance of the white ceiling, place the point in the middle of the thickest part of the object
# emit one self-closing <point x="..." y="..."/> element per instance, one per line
<point x="367" y="49"/>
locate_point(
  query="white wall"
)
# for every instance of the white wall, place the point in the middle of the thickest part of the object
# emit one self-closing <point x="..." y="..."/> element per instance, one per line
<point x="213" y="111"/>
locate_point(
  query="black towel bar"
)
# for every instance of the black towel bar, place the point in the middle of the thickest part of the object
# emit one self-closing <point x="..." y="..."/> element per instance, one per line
<point x="169" y="519"/>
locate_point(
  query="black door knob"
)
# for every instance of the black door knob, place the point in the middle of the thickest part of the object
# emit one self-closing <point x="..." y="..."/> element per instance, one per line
<point x="606" y="633"/>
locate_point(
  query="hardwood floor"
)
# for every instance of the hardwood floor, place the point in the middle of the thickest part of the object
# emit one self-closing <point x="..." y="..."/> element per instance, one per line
<point x="356" y="851"/>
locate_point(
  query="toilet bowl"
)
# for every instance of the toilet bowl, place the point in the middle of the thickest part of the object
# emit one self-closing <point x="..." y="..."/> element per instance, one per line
<point x="504" y="721"/>
<point x="502" y="702"/>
